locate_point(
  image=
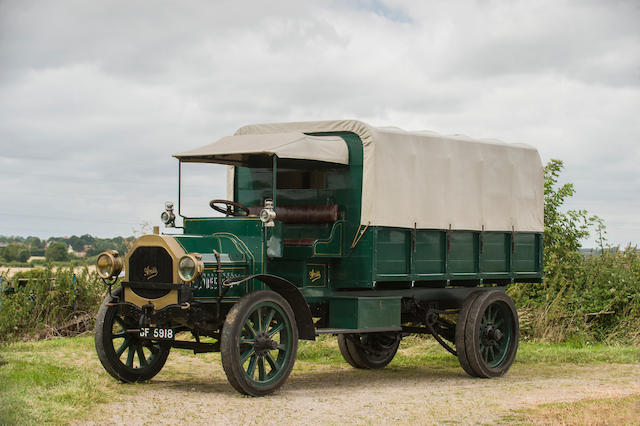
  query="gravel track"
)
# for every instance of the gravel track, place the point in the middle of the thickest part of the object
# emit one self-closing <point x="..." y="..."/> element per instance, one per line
<point x="194" y="390"/>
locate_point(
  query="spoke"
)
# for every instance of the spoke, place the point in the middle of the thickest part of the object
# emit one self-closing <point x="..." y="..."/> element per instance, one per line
<point x="251" y="369"/>
<point x="267" y="320"/>
<point x="488" y="315"/>
<point x="248" y="325"/>
<point x="261" y="369"/>
<point x="246" y="341"/>
<point x="245" y="356"/>
<point x="122" y="347"/>
<point x="275" y="329"/>
<point x="498" y="323"/>
<point x="282" y="347"/>
<point x="118" y="335"/>
<point x="496" y="312"/>
<point x="493" y="355"/>
<point x="259" y="313"/>
<point x="130" y="354"/>
<point x="154" y="348"/>
<point x="272" y="362"/>
<point x="141" y="357"/>
<point x="121" y="323"/>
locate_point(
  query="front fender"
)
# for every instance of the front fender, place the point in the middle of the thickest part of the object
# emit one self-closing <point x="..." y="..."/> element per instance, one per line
<point x="304" y="320"/>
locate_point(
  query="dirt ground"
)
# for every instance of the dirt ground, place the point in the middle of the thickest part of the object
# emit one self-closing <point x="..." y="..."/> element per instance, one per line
<point x="194" y="390"/>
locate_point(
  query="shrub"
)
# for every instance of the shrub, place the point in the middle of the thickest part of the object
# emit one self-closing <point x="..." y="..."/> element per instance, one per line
<point x="48" y="302"/>
<point x="585" y="298"/>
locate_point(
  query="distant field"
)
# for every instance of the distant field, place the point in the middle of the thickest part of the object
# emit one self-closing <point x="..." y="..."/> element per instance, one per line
<point x="10" y="271"/>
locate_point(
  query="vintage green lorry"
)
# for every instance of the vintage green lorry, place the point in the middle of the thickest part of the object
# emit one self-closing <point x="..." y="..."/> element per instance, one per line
<point x="333" y="227"/>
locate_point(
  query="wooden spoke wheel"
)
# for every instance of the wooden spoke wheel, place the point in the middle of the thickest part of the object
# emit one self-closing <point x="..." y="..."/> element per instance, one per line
<point x="259" y="343"/>
<point x="487" y="334"/>
<point x="369" y="350"/>
<point x="124" y="355"/>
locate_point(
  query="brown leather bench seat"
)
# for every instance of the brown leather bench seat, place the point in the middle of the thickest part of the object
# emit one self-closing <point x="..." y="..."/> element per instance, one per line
<point x="306" y="214"/>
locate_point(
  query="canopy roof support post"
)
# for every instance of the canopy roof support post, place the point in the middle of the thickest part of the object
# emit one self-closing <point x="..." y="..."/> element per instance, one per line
<point x="275" y="179"/>
<point x="179" y="186"/>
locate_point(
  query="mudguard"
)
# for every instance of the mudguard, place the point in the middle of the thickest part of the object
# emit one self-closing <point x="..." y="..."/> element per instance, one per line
<point x="306" y="329"/>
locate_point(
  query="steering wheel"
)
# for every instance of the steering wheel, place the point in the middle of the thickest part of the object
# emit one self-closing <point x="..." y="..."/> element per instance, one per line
<point x="233" y="208"/>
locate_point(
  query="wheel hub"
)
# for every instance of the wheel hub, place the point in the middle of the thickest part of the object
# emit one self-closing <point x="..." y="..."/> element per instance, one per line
<point x="492" y="333"/>
<point x="264" y="344"/>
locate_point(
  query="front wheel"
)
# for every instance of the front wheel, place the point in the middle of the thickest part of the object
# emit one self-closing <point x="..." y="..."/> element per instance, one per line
<point x="122" y="354"/>
<point x="369" y="350"/>
<point x="259" y="343"/>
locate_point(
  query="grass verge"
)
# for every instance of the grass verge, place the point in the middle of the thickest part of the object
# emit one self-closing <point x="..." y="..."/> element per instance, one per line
<point x="51" y="381"/>
<point x="61" y="379"/>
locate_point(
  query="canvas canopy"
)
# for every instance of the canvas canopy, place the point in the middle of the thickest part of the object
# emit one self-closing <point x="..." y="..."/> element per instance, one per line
<point x="432" y="181"/>
<point x="242" y="149"/>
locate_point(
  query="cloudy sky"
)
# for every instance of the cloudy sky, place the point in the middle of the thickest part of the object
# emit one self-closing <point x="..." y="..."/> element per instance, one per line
<point x="96" y="96"/>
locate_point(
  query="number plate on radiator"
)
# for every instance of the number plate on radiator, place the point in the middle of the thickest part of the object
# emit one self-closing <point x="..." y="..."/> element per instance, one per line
<point x="154" y="333"/>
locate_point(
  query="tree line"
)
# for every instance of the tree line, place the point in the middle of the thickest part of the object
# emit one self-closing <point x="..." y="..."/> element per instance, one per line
<point x="56" y="249"/>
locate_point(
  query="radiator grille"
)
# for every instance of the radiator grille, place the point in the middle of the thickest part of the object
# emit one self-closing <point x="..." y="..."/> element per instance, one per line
<point x="150" y="265"/>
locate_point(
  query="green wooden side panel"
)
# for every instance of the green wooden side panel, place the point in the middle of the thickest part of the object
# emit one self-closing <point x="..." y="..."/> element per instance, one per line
<point x="525" y="258"/>
<point x="429" y="256"/>
<point x="463" y="252"/>
<point x="357" y="269"/>
<point x="392" y="253"/>
<point x="495" y="252"/>
<point x="358" y="313"/>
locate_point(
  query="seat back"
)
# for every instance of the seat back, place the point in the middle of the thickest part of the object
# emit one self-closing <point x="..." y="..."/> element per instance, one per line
<point x="310" y="214"/>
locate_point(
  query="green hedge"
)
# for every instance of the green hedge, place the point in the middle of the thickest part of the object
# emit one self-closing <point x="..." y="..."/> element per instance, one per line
<point x="49" y="300"/>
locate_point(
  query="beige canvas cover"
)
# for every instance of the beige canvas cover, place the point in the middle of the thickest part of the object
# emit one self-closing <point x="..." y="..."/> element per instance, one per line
<point x="428" y="180"/>
<point x="292" y="144"/>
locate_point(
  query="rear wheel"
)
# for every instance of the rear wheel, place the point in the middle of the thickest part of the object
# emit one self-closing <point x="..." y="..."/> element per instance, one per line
<point x="259" y="343"/>
<point x="491" y="334"/>
<point x="369" y="350"/>
<point x="460" y="328"/>
<point x="122" y="354"/>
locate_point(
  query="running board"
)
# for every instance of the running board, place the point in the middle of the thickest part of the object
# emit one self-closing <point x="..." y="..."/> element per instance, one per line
<point x="320" y="331"/>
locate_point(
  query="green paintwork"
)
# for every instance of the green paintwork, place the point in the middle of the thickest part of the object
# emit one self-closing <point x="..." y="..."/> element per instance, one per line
<point x="240" y="241"/>
<point x="358" y="313"/>
<point x="384" y="259"/>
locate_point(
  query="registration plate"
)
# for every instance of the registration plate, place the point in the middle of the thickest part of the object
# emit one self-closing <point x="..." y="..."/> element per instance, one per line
<point x="154" y="333"/>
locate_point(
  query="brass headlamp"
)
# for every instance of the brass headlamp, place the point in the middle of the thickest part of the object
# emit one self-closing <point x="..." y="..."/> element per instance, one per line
<point x="109" y="264"/>
<point x="190" y="267"/>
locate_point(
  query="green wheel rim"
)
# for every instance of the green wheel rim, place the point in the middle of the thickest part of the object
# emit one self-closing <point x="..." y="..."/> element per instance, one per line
<point x="496" y="334"/>
<point x="265" y="344"/>
<point x="135" y="354"/>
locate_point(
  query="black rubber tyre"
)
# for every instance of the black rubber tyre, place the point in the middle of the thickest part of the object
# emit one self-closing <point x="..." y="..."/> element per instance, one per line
<point x="144" y="358"/>
<point x="259" y="343"/>
<point x="491" y="334"/>
<point x="460" y="328"/>
<point x="369" y="350"/>
<point x="344" y="350"/>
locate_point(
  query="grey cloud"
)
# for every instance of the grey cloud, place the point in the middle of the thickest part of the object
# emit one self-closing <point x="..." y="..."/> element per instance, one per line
<point x="97" y="96"/>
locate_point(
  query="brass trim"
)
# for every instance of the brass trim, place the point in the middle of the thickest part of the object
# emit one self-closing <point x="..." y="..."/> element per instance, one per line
<point x="176" y="252"/>
<point x="159" y="303"/>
